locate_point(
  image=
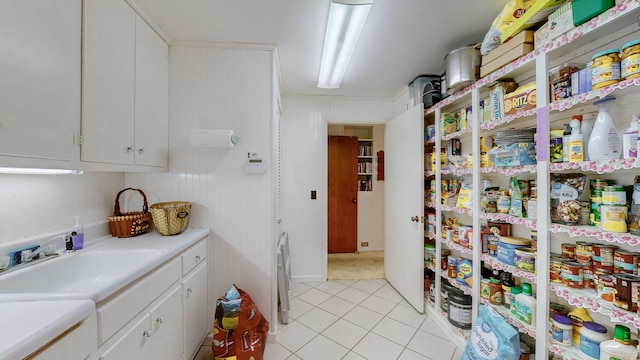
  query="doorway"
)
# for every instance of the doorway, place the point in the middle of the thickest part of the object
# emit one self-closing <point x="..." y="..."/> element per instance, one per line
<point x="364" y="259"/>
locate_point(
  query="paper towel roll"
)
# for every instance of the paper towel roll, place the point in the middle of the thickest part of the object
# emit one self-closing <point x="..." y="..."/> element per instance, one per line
<point x="212" y="138"/>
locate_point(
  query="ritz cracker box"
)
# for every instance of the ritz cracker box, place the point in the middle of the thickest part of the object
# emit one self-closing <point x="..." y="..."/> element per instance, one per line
<point x="522" y="99"/>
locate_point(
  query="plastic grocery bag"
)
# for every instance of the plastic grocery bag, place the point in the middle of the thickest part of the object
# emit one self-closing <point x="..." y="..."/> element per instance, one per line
<point x="492" y="337"/>
<point x="512" y="10"/>
<point x="239" y="329"/>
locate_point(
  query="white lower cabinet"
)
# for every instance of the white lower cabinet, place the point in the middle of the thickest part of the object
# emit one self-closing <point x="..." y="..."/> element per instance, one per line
<point x="77" y="343"/>
<point x="157" y="334"/>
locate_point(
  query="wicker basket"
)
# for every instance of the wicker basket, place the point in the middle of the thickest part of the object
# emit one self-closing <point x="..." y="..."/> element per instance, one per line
<point x="171" y="218"/>
<point x="129" y="224"/>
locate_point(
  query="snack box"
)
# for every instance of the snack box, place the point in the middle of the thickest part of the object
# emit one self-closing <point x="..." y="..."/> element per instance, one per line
<point x="537" y="13"/>
<point x="522" y="99"/>
<point x="560" y="21"/>
<point x="517" y="154"/>
<point x="497" y="92"/>
<point x="516" y="47"/>
<point x="541" y="36"/>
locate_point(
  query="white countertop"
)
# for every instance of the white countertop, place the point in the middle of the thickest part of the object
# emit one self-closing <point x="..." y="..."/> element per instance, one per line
<point x="31" y="319"/>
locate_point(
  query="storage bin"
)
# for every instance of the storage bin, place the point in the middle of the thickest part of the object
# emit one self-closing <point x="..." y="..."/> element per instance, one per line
<point x="585" y="10"/>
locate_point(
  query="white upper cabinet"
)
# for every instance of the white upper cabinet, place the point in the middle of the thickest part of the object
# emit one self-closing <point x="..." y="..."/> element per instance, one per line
<point x="39" y="81"/>
<point x="125" y="87"/>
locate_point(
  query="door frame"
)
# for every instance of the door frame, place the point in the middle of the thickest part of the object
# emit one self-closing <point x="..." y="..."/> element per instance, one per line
<point x="325" y="184"/>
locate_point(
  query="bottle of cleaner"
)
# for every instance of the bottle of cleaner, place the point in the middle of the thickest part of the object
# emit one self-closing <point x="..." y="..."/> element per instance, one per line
<point x="604" y="143"/>
<point x="578" y="316"/>
<point x="576" y="146"/>
<point x="586" y="126"/>
<point x="565" y="142"/>
<point x="620" y="347"/>
<point x="630" y="139"/>
<point x="78" y="230"/>
<point x="526" y="308"/>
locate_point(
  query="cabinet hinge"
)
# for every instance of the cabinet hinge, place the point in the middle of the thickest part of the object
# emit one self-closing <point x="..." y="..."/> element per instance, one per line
<point x="80" y="140"/>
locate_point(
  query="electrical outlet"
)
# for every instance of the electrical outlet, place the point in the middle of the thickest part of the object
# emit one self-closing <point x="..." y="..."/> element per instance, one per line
<point x="313" y="195"/>
<point x="364" y="244"/>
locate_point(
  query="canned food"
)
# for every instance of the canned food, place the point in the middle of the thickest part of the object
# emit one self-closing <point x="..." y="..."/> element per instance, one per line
<point x="569" y="251"/>
<point x="614" y="218"/>
<point x="572" y="275"/>
<point x="630" y="60"/>
<point x="625" y="261"/>
<point x="606" y="287"/>
<point x="452" y="264"/>
<point x="583" y="252"/>
<point x="555" y="268"/>
<point x="603" y="256"/>
<point x="626" y="291"/>
<point x="605" y="68"/>
<point x="599" y="184"/>
<point x="526" y="259"/>
<point x="588" y="277"/>
<point x="614" y="195"/>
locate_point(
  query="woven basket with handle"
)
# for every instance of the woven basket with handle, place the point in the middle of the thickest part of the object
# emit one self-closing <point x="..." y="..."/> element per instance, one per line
<point x="171" y="218"/>
<point x="129" y="224"/>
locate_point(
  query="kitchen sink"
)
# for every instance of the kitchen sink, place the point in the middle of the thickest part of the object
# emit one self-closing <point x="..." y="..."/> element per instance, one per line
<point x="84" y="274"/>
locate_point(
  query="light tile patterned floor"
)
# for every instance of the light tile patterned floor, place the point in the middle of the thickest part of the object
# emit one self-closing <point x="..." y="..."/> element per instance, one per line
<point x="354" y="320"/>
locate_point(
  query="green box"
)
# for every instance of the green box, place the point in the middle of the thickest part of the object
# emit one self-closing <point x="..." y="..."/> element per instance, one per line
<point x="585" y="10"/>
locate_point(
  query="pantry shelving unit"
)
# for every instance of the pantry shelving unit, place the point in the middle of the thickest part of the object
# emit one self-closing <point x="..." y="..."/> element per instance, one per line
<point x="611" y="29"/>
<point x="365" y="164"/>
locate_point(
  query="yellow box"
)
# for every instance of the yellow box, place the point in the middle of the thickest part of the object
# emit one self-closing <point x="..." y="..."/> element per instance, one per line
<point x="537" y="13"/>
<point x="523" y="98"/>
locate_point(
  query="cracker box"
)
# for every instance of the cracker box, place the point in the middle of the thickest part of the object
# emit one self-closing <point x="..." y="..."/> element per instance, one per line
<point x="497" y="92"/>
<point x="522" y="99"/>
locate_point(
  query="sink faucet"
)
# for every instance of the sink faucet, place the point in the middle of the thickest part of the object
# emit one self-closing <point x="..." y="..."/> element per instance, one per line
<point x="46" y="249"/>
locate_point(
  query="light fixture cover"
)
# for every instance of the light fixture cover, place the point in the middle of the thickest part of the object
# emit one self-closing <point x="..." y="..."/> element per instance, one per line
<point x="36" y="171"/>
<point x="345" y="22"/>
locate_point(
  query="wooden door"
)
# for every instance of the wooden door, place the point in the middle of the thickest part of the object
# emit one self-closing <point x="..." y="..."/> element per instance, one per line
<point x="343" y="194"/>
<point x="404" y="205"/>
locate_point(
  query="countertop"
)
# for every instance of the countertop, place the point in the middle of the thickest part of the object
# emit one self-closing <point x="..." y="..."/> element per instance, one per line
<point x="32" y="319"/>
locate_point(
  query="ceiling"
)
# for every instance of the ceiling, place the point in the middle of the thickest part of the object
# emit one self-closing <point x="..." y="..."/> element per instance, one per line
<point x="401" y="38"/>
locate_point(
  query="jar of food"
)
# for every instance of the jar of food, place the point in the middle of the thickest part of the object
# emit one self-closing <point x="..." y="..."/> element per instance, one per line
<point x="605" y="68"/>
<point x="495" y="292"/>
<point x="572" y="275"/>
<point x="555" y="145"/>
<point x="630" y="60"/>
<point x="444" y="260"/>
<point x="613" y="218"/>
<point x="484" y="288"/>
<point x="561" y="329"/>
<point x="591" y="335"/>
<point x="452" y="265"/>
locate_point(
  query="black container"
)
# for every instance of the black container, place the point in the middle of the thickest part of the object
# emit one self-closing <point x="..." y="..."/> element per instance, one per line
<point x="460" y="310"/>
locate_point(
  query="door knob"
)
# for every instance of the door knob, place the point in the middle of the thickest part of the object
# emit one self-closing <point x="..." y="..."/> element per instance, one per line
<point x="355" y="201"/>
<point x="415" y="218"/>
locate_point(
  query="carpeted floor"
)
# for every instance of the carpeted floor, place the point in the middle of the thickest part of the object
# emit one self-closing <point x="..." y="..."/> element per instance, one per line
<point x="352" y="266"/>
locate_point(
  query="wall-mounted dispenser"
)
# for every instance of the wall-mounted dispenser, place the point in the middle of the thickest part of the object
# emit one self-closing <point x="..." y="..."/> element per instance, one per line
<point x="254" y="164"/>
<point x="212" y="138"/>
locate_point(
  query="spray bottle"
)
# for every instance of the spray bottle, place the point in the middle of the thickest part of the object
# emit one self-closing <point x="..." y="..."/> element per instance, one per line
<point x="78" y="234"/>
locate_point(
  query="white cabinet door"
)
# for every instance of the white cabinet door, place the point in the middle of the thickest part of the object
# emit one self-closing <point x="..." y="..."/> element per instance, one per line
<point x="196" y="321"/>
<point x="134" y="344"/>
<point x="167" y="323"/>
<point x="40" y="78"/>
<point x="108" y="83"/>
<point x="404" y="200"/>
<point x="151" y="97"/>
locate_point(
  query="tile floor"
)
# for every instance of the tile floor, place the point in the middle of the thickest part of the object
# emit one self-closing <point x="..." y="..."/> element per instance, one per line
<point x="351" y="320"/>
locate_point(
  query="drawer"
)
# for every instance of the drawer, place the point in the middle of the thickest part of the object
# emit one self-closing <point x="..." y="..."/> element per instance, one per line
<point x="114" y="313"/>
<point x="194" y="256"/>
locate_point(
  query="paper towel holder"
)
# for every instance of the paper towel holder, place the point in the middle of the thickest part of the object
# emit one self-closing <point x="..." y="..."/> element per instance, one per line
<point x="212" y="138"/>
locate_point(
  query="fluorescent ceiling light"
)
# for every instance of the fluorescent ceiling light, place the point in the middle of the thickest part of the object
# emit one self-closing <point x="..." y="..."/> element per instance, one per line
<point x="31" y="171"/>
<point x="346" y="20"/>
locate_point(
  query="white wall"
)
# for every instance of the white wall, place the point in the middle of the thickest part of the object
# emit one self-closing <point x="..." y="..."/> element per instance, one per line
<point x="223" y="88"/>
<point x="35" y="205"/>
<point x="304" y="168"/>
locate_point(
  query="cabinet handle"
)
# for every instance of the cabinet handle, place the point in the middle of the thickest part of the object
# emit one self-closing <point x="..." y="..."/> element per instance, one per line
<point x="148" y="333"/>
<point x="189" y="290"/>
<point x="198" y="258"/>
<point x="129" y="149"/>
<point x="160" y="319"/>
<point x="415" y="218"/>
<point x="142" y="150"/>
